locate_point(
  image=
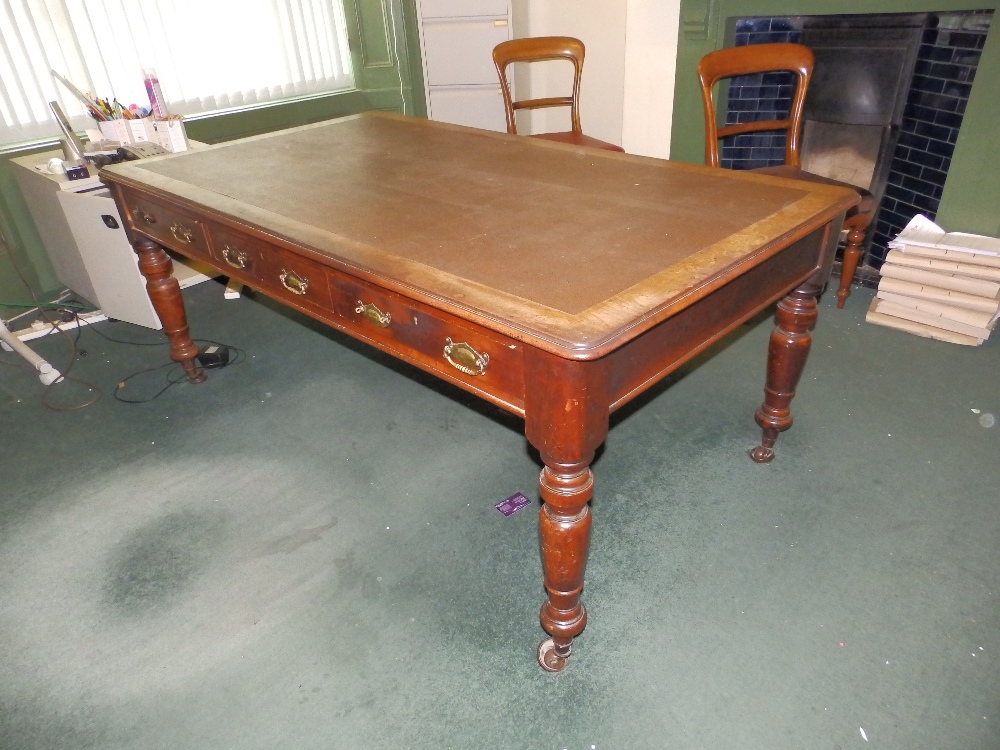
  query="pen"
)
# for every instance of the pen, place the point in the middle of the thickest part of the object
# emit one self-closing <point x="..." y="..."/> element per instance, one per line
<point x="123" y="112"/>
<point x="94" y="108"/>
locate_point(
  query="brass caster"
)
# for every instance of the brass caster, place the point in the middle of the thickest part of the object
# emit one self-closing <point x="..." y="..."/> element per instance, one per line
<point x="761" y="454"/>
<point x="549" y="660"/>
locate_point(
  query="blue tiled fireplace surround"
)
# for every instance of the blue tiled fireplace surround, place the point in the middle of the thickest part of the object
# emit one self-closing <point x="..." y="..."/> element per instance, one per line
<point x="945" y="69"/>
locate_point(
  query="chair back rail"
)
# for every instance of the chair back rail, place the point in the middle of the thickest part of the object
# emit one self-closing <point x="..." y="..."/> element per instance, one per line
<point x="746" y="60"/>
<point x="537" y="49"/>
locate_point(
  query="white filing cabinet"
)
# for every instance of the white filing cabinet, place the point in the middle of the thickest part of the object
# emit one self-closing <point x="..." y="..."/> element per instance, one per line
<point x="82" y="232"/>
<point x="457" y="38"/>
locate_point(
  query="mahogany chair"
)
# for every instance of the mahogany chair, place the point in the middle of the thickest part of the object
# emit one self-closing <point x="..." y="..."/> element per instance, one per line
<point x="537" y="49"/>
<point x="763" y="58"/>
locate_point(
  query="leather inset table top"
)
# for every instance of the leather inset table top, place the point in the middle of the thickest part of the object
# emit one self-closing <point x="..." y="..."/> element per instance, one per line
<point x="478" y="218"/>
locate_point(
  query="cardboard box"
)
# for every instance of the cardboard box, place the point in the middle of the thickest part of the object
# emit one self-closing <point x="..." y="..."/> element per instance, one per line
<point x="171" y="134"/>
<point x="142" y="130"/>
<point x="116" y="130"/>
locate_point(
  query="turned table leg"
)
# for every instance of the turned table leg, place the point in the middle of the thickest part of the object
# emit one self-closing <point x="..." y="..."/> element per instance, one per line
<point x="566" y="418"/>
<point x="564" y="529"/>
<point x="856" y="227"/>
<point x="786" y="358"/>
<point x="165" y="294"/>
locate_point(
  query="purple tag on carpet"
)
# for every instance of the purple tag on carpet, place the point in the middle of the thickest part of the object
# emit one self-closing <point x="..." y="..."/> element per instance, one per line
<point x="512" y="504"/>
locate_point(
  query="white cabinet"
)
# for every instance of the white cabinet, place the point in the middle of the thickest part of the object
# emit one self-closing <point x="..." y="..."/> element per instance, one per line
<point x="457" y="38"/>
<point x="82" y="232"/>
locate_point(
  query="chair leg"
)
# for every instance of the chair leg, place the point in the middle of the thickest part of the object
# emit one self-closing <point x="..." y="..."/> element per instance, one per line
<point x="856" y="226"/>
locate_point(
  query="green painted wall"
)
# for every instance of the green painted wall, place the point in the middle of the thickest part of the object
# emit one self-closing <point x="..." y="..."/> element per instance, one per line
<point x="21" y="255"/>
<point x="971" y="200"/>
<point x="385" y="56"/>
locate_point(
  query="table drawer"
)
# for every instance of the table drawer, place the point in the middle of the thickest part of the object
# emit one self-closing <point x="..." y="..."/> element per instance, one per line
<point x="484" y="359"/>
<point x="278" y="273"/>
<point x="293" y="279"/>
<point x="241" y="256"/>
<point x="168" y="226"/>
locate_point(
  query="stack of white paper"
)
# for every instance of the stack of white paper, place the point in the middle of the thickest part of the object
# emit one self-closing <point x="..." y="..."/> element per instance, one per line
<point x="942" y="285"/>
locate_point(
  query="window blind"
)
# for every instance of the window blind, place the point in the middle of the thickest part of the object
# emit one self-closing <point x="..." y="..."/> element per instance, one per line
<point x="208" y="55"/>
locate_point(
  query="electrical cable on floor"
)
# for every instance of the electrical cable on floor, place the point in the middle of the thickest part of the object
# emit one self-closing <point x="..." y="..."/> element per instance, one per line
<point x="65" y="377"/>
<point x="240" y="354"/>
<point x="75" y="354"/>
<point x="161" y="342"/>
<point x="50" y="305"/>
<point x="73" y="308"/>
<point x="172" y="380"/>
<point x="170" y="383"/>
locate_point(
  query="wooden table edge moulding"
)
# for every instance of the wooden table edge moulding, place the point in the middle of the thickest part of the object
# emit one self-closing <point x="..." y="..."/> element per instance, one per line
<point x="555" y="281"/>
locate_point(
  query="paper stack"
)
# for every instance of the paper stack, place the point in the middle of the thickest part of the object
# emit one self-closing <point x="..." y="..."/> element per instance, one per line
<point x="941" y="285"/>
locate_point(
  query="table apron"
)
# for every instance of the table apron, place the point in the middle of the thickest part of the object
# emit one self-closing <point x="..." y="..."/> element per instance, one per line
<point x="419" y="333"/>
<point x="645" y="360"/>
<point x="474" y="358"/>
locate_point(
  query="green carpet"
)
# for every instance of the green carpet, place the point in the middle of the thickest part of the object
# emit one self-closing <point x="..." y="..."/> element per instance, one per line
<point x="302" y="552"/>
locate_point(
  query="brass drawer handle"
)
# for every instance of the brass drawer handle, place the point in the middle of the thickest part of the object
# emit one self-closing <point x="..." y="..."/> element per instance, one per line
<point x="293" y="282"/>
<point x="373" y="314"/>
<point x="142" y="215"/>
<point x="464" y="358"/>
<point x="234" y="257"/>
<point x="181" y="233"/>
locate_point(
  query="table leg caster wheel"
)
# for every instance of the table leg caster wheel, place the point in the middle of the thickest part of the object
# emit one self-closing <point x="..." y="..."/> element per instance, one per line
<point x="548" y="657"/>
<point x="761" y="454"/>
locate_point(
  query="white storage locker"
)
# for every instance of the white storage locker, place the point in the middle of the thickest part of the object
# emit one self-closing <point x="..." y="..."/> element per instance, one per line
<point x="460" y="53"/>
<point x="458" y="8"/>
<point x="474" y="106"/>
<point x="83" y="236"/>
<point x="457" y="38"/>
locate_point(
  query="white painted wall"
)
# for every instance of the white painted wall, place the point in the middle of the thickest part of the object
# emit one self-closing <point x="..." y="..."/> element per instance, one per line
<point x="600" y="25"/>
<point x="650" y="66"/>
<point x="628" y="78"/>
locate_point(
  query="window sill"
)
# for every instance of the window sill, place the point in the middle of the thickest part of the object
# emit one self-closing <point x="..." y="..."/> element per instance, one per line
<point x="228" y="124"/>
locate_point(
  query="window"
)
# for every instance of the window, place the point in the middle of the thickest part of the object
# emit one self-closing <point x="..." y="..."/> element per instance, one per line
<point x="207" y="54"/>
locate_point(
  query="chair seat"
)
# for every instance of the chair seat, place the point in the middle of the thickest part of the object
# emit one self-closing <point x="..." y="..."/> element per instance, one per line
<point x="579" y="139"/>
<point x="865" y="206"/>
<point x="546" y="49"/>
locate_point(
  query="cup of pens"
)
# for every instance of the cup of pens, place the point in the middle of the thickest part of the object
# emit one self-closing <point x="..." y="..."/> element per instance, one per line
<point x="125" y="124"/>
<point x="134" y="124"/>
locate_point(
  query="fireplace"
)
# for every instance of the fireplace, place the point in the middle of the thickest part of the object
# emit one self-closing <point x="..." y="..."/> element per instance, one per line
<point x="884" y="107"/>
<point x="859" y="87"/>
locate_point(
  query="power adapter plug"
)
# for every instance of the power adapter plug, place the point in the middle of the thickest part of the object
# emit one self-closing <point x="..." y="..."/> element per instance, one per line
<point x="213" y="355"/>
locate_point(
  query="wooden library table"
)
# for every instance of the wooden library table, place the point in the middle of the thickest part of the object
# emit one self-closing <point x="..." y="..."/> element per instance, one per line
<point x="555" y="281"/>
